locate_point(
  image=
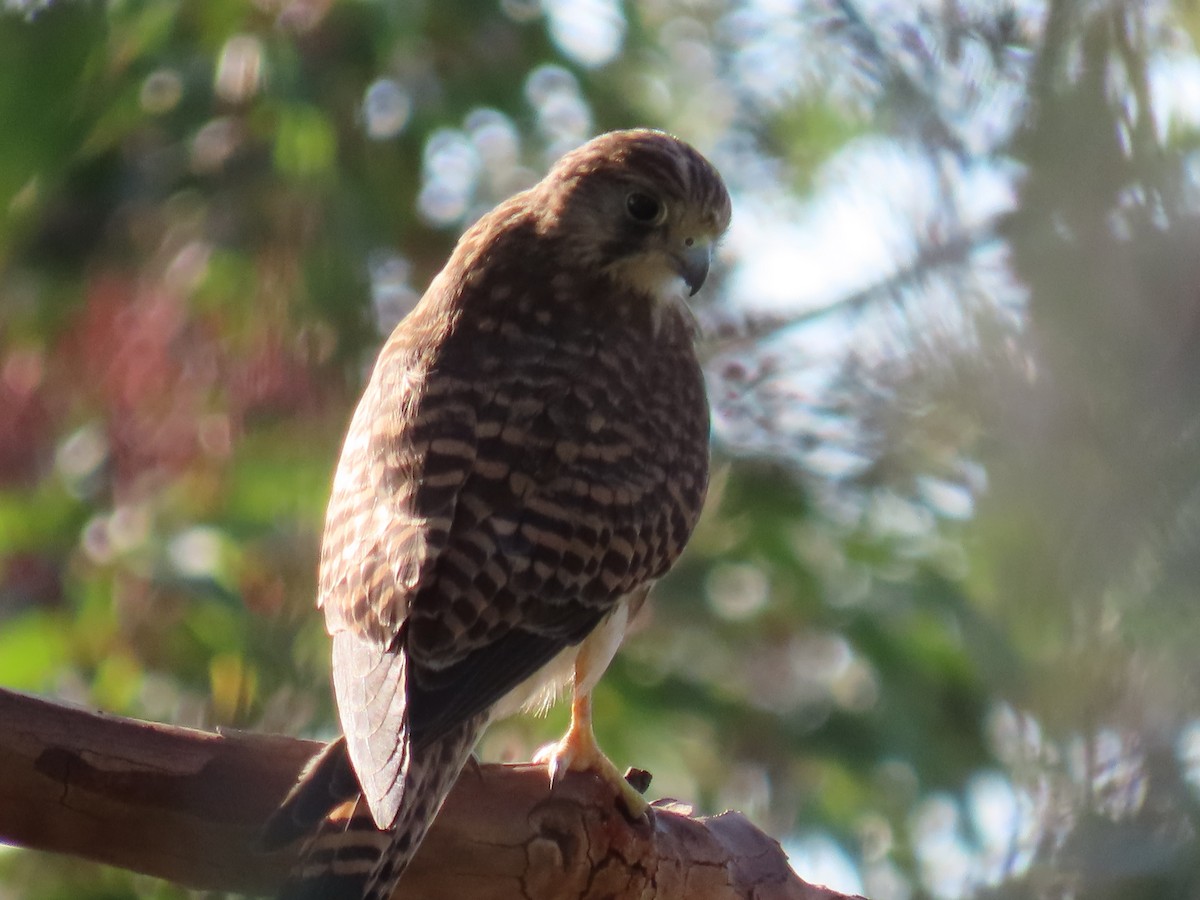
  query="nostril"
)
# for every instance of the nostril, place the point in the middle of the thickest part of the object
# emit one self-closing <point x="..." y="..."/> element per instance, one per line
<point x="689" y="241"/>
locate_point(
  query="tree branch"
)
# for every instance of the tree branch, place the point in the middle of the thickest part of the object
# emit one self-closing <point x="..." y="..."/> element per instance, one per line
<point x="187" y="806"/>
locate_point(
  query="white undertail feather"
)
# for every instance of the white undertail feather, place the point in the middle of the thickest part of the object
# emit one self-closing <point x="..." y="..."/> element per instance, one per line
<point x="540" y="692"/>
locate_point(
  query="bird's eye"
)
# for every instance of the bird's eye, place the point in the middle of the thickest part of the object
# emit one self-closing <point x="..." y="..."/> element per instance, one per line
<point x="643" y="208"/>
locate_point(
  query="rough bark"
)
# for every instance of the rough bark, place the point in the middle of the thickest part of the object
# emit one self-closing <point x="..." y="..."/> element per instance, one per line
<point x="187" y="805"/>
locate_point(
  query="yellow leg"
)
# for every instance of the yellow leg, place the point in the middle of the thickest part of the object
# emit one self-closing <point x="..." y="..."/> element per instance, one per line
<point x="579" y="751"/>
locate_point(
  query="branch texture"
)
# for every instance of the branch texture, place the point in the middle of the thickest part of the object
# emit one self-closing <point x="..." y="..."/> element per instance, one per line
<point x="187" y="806"/>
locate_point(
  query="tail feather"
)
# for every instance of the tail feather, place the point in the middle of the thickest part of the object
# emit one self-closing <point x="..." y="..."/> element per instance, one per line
<point x="347" y="857"/>
<point x="327" y="781"/>
<point x="432" y="770"/>
<point x="339" y="858"/>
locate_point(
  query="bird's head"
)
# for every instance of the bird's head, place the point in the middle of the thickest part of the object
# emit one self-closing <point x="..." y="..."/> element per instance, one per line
<point x="641" y="206"/>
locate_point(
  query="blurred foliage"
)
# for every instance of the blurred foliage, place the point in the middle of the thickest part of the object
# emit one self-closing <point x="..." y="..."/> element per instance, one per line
<point x="937" y="628"/>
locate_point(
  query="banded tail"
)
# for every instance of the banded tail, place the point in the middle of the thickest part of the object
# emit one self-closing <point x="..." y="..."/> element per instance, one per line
<point x="346" y="857"/>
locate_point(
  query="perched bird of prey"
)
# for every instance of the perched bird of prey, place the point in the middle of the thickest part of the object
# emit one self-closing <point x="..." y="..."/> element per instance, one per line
<point x="530" y="454"/>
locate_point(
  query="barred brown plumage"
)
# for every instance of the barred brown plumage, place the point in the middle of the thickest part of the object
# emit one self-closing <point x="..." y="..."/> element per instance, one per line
<point x="530" y="454"/>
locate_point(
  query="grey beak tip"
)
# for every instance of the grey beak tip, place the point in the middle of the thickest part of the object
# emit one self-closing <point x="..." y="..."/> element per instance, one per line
<point x="693" y="267"/>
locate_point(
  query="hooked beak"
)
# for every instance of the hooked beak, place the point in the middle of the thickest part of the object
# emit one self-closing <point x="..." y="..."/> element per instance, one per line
<point x="692" y="265"/>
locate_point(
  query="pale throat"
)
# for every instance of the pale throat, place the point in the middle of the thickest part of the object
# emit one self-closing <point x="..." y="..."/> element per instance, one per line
<point x="653" y="276"/>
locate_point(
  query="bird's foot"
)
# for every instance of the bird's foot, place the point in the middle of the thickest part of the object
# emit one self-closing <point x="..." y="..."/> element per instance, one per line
<point x="579" y="752"/>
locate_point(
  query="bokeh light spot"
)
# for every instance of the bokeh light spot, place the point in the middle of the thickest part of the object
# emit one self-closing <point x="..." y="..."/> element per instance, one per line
<point x="386" y="108"/>
<point x="240" y="69"/>
<point x="589" y="31"/>
<point x="161" y="91"/>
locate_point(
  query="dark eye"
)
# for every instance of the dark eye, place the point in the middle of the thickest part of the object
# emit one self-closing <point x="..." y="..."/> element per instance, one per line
<point x="643" y="208"/>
